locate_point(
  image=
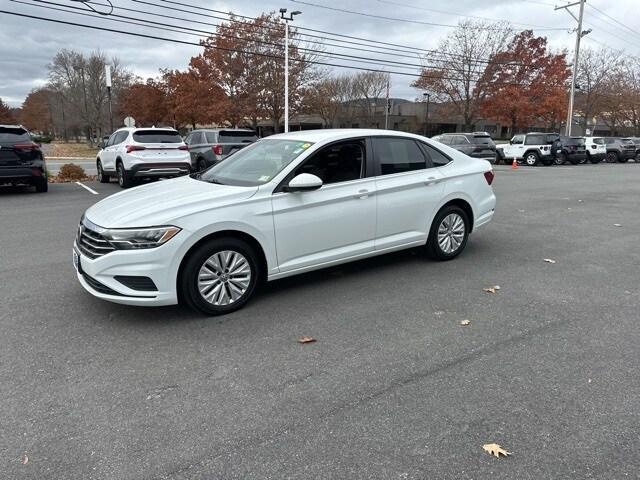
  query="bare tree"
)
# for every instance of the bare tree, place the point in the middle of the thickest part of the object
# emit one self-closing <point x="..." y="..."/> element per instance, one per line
<point x="451" y="75"/>
<point x="368" y="88"/>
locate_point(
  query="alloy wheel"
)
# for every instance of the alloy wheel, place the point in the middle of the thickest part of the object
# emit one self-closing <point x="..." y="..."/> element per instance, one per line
<point x="531" y="159"/>
<point x="451" y="233"/>
<point x="224" y="277"/>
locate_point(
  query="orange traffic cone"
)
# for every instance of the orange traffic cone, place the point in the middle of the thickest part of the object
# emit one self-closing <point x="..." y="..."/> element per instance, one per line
<point x="514" y="165"/>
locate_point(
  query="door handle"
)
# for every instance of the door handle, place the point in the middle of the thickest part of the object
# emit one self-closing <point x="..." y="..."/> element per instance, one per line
<point x="431" y="181"/>
<point x="362" y="194"/>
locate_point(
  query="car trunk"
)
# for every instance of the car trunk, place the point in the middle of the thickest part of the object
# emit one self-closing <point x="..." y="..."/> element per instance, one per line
<point x="16" y="147"/>
<point x="483" y="146"/>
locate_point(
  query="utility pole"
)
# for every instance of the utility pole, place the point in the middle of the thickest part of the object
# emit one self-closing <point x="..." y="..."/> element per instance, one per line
<point x="286" y="63"/>
<point x="107" y="72"/>
<point x="576" y="56"/>
<point x="426" y="96"/>
<point x="387" y="106"/>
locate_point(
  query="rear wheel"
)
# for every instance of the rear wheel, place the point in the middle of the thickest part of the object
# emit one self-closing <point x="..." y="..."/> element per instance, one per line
<point x="125" y="180"/>
<point x="531" y="159"/>
<point x="574" y="161"/>
<point x="220" y="276"/>
<point x="560" y="159"/>
<point x="102" y="177"/>
<point x="202" y="165"/>
<point x="448" y="235"/>
<point x="42" y="185"/>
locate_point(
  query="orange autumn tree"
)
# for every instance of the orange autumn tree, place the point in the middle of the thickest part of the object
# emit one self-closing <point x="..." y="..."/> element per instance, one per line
<point x="525" y="83"/>
<point x="146" y="103"/>
<point x="36" y="112"/>
<point x="6" y="116"/>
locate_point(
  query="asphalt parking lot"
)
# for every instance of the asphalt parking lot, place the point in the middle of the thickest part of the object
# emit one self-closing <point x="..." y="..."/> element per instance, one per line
<point x="394" y="387"/>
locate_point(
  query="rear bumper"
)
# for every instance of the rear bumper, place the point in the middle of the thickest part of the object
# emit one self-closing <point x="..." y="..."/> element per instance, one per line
<point x="173" y="169"/>
<point x="22" y="173"/>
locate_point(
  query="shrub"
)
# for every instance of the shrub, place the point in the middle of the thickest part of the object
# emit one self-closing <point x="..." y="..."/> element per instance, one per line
<point x="71" y="172"/>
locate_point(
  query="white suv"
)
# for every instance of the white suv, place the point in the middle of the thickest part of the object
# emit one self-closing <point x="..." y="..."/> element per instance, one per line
<point x="136" y="153"/>
<point x="284" y="205"/>
<point x="530" y="148"/>
<point x="596" y="149"/>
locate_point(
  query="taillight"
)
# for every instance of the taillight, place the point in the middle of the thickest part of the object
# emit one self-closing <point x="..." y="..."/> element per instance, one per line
<point x="183" y="147"/>
<point x="135" y="148"/>
<point x="489" y="176"/>
<point x="26" y="146"/>
<point x="217" y="149"/>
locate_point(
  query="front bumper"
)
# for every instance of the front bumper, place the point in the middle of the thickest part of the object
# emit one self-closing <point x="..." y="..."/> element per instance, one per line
<point x="97" y="276"/>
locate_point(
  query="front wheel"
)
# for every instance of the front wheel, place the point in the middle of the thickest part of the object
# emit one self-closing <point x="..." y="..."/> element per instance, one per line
<point x="102" y="177"/>
<point x="448" y="235"/>
<point x="220" y="276"/>
<point x="612" y="157"/>
<point x="560" y="159"/>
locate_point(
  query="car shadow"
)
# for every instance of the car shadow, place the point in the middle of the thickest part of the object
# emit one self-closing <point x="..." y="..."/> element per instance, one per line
<point x="6" y="190"/>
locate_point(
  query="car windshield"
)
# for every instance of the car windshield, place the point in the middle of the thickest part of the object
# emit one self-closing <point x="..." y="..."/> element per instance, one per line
<point x="13" y="134"/>
<point x="256" y="164"/>
<point x="157" y="136"/>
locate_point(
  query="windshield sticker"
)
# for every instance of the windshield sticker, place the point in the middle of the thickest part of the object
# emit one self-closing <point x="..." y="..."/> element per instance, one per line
<point x="265" y="178"/>
<point x="306" y="145"/>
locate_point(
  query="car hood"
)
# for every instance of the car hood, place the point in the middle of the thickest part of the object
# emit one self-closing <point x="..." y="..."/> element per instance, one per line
<point x="164" y="202"/>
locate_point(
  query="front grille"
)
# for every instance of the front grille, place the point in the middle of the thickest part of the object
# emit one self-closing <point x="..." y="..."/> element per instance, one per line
<point x="99" y="287"/>
<point x="91" y="243"/>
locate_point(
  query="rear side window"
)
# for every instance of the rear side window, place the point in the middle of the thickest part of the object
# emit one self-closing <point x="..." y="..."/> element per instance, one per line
<point x="534" y="140"/>
<point x="120" y="137"/>
<point x="236" y="136"/>
<point x="14" y="134"/>
<point x="438" y="159"/>
<point x="211" y="137"/>
<point x="397" y="155"/>
<point x="157" y="136"/>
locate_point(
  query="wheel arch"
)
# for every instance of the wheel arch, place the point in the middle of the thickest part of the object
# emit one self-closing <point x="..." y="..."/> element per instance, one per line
<point x="228" y="233"/>
<point x="459" y="202"/>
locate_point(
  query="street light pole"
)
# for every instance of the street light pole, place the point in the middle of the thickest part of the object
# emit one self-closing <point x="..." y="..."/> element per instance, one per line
<point x="426" y="96"/>
<point x="286" y="63"/>
<point x="107" y="71"/>
<point x="576" y="55"/>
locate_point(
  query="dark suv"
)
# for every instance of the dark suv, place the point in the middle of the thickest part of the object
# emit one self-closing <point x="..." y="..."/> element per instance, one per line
<point x="569" y="149"/>
<point x="210" y="146"/>
<point x="620" y="149"/>
<point x="476" y="144"/>
<point x="21" y="160"/>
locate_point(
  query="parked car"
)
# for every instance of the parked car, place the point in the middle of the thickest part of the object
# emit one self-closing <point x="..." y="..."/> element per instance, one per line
<point x="476" y="144"/>
<point x="619" y="149"/>
<point x="21" y="160"/>
<point x="135" y="153"/>
<point x="569" y="149"/>
<point x="636" y="142"/>
<point x="210" y="146"/>
<point x="285" y="205"/>
<point x="530" y="148"/>
<point x="596" y="149"/>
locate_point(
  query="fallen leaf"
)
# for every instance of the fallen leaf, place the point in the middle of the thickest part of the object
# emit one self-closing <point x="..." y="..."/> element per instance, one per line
<point x="495" y="450"/>
<point x="549" y="260"/>
<point x="465" y="322"/>
<point x="617" y="225"/>
<point x="306" y="339"/>
<point x="521" y="210"/>
<point x="493" y="289"/>
<point x="25" y="460"/>
<point x="579" y="201"/>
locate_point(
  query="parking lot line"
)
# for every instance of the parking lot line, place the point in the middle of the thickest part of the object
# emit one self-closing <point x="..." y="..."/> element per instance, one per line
<point x="87" y="188"/>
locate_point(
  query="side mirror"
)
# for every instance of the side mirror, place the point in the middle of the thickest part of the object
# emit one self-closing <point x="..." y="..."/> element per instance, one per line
<point x="303" y="182"/>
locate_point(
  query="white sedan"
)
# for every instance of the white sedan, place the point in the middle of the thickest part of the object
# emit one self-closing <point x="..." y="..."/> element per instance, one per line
<point x="285" y="205"/>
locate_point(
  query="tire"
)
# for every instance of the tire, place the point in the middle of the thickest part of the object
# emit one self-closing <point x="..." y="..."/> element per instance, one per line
<point x="573" y="161"/>
<point x="560" y="159"/>
<point x="42" y="185"/>
<point x="531" y="159"/>
<point x="612" y="157"/>
<point x="202" y="165"/>
<point x="102" y="177"/>
<point x="446" y="223"/>
<point x="206" y="264"/>
<point x="125" y="180"/>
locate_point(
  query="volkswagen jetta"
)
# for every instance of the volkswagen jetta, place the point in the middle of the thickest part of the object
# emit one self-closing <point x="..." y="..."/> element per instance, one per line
<point x="284" y="205"/>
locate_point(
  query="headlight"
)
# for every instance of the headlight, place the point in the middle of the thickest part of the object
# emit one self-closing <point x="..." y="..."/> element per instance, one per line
<point x="136" y="238"/>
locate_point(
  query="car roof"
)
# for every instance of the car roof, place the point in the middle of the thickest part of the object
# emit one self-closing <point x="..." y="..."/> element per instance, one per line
<point x="248" y="130"/>
<point x="135" y="129"/>
<point x="330" y="134"/>
<point x="12" y="126"/>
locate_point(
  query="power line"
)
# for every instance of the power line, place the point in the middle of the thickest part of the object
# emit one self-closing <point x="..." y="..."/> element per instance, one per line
<point x="611" y="18"/>
<point x="394" y="19"/>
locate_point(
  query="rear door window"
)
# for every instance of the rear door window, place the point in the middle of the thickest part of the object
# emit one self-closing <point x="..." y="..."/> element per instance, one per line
<point x="14" y="135"/>
<point x="157" y="136"/>
<point x="236" y="136"/>
<point x="211" y="137"/>
<point x="535" y="140"/>
<point x="438" y="159"/>
<point x="197" y="138"/>
<point x="397" y="155"/>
